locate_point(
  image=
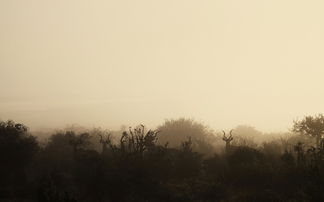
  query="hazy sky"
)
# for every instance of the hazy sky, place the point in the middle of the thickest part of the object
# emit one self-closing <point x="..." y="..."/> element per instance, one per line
<point x="107" y="63"/>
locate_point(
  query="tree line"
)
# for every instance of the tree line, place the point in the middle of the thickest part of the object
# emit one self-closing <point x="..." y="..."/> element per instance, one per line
<point x="181" y="160"/>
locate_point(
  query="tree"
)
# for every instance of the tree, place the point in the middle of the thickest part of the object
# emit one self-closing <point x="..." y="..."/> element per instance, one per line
<point x="246" y="135"/>
<point x="174" y="132"/>
<point x="312" y="126"/>
<point x="17" y="148"/>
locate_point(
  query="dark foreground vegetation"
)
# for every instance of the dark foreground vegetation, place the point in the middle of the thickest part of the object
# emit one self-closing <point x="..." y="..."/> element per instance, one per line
<point x="137" y="166"/>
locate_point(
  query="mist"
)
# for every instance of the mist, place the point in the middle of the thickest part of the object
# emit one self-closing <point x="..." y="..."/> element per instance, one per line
<point x="108" y="63"/>
<point x="178" y="101"/>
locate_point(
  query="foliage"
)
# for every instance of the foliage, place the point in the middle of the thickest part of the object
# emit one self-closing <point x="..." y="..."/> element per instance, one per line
<point x="174" y="132"/>
<point x="312" y="126"/>
<point x="17" y="149"/>
<point x="136" y="168"/>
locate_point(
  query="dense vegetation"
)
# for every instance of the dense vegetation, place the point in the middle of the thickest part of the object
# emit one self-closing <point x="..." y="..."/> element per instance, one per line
<point x="141" y="165"/>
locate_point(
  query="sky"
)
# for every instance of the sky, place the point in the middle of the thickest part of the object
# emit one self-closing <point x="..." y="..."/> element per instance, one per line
<point x="107" y="63"/>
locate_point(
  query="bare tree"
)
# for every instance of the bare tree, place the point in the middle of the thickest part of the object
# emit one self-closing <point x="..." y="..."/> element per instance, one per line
<point x="105" y="140"/>
<point x="227" y="140"/>
<point x="137" y="140"/>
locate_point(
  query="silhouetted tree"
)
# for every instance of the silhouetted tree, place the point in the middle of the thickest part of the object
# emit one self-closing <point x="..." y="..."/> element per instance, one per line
<point x="17" y="148"/>
<point x="246" y="135"/>
<point x="312" y="126"/>
<point x="174" y="132"/>
<point x="227" y="140"/>
<point x="105" y="141"/>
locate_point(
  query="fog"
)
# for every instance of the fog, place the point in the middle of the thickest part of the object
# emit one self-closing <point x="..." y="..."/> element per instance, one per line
<point x="108" y="63"/>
